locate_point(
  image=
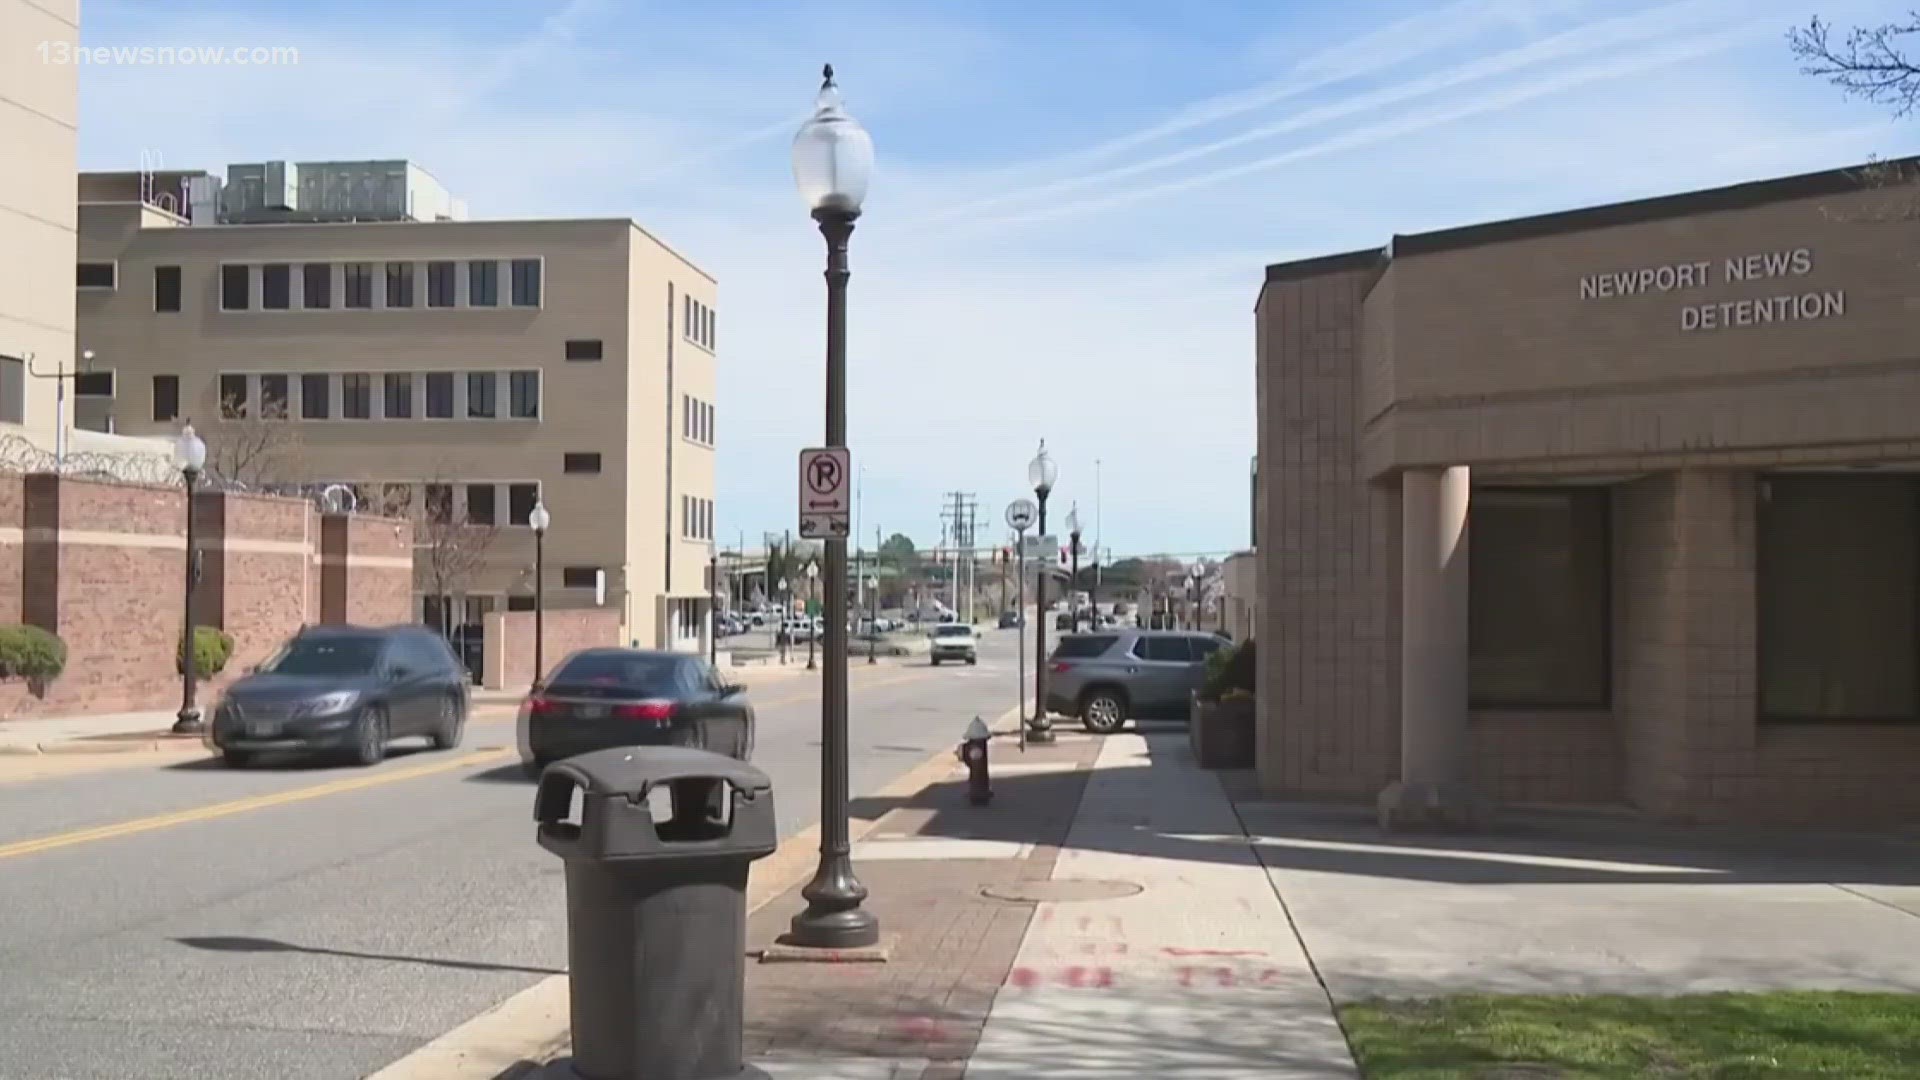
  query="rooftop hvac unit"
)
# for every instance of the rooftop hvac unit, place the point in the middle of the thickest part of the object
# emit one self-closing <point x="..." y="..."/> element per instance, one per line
<point x="281" y="191"/>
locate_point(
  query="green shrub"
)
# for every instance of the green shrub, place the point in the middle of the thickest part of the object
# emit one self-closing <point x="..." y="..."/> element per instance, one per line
<point x="212" y="648"/>
<point x="30" y="653"/>
<point x="1230" y="670"/>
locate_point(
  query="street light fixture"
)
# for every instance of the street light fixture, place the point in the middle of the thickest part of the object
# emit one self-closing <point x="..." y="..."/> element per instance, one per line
<point x="832" y="159"/>
<point x="540" y="519"/>
<point x="1041" y="473"/>
<point x="190" y="456"/>
<point x="786" y="620"/>
<point x="873" y="618"/>
<point x="813" y="597"/>
<point x="1073" y="576"/>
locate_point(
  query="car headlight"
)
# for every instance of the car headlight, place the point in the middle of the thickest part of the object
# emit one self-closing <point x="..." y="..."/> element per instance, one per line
<point x="338" y="701"/>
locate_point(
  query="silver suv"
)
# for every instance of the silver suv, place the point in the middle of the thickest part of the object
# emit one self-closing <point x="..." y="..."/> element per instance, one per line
<point x="1104" y="678"/>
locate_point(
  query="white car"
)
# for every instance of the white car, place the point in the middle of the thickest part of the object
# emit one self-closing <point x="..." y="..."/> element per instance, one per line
<point x="800" y="629"/>
<point x="953" y="641"/>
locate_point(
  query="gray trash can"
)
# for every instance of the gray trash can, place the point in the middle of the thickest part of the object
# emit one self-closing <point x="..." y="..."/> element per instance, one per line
<point x="656" y="910"/>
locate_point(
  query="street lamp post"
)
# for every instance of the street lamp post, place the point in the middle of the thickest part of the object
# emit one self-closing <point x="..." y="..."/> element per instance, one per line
<point x="190" y="454"/>
<point x="540" y="519"/>
<point x="832" y="159"/>
<point x="1073" y="577"/>
<point x="1041" y="473"/>
<point x="786" y="620"/>
<point x="813" y="597"/>
<point x="873" y="618"/>
<point x="1193" y="594"/>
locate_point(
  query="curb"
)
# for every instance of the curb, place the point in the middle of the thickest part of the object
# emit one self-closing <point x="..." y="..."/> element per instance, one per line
<point x="516" y="1036"/>
<point x="162" y="740"/>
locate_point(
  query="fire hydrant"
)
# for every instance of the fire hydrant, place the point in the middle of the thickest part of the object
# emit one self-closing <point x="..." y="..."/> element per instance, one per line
<point x="973" y="751"/>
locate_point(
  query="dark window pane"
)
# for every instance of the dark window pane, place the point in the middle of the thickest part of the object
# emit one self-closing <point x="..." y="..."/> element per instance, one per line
<point x="439" y="502"/>
<point x="166" y="288"/>
<point x="520" y="603"/>
<point x="1837" y="597"/>
<point x="1537" y="608"/>
<point x="482" y="388"/>
<point x="480" y="505"/>
<point x="399" y="284"/>
<point x="315" y="390"/>
<point x="520" y="500"/>
<point x="1173" y="650"/>
<point x="625" y="673"/>
<point x="581" y="463"/>
<point x="526" y="283"/>
<point x="317" y="286"/>
<point x="579" y="577"/>
<point x="93" y="384"/>
<point x="356" y="396"/>
<point x="1083" y="646"/>
<point x="236" y="288"/>
<point x="326" y="654"/>
<point x="483" y="283"/>
<point x="358" y="280"/>
<point x="233" y="397"/>
<point x="439" y="395"/>
<point x="584" y="349"/>
<point x="397" y="499"/>
<point x="439" y="284"/>
<point x="13" y="390"/>
<point x="94" y="275"/>
<point x="276" y="286"/>
<point x="274" y="390"/>
<point x="398" y="395"/>
<point x="525" y="393"/>
<point x="166" y="398"/>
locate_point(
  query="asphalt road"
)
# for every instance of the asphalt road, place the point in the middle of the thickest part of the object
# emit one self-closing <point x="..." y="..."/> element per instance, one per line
<point x="299" y="922"/>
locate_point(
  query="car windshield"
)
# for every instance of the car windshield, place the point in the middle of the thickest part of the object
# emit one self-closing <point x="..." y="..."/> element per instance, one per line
<point x="331" y="655"/>
<point x="953" y="631"/>
<point x="1083" y="646"/>
<point x="637" y="673"/>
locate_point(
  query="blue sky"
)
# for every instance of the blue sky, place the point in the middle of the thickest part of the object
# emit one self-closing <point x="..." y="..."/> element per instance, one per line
<point x="1073" y="202"/>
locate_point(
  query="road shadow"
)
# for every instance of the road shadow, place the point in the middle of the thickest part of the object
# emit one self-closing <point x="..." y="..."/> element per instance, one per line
<point x="269" y="945"/>
<point x="293" y="760"/>
<point x="511" y="773"/>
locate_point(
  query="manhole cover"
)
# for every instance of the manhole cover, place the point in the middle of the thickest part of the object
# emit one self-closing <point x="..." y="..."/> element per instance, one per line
<point x="1040" y="892"/>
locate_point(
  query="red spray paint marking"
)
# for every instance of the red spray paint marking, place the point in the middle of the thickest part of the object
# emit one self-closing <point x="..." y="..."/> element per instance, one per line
<point x="1046" y="915"/>
<point x="1023" y="978"/>
<point x="922" y="1029"/>
<point x="1186" y="976"/>
<point x="1175" y="951"/>
<point x="1224" y="976"/>
<point x="1269" y="976"/>
<point x="1081" y="978"/>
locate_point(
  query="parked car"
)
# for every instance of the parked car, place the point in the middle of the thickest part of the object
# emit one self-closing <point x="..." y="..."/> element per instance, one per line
<point x="1011" y="619"/>
<point x="608" y="697"/>
<point x="799" y="628"/>
<point x="344" y="689"/>
<point x="1106" y="678"/>
<point x="953" y="641"/>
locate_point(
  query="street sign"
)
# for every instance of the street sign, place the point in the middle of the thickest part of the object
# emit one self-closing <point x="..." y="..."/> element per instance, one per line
<point x="826" y="493"/>
<point x="1044" y="549"/>
<point x="1020" y="514"/>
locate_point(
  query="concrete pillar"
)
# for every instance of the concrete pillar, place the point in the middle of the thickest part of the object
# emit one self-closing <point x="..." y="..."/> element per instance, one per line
<point x="1433" y="790"/>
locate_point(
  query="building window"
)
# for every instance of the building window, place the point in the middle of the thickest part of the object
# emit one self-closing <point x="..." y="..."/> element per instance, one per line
<point x="396" y="499"/>
<point x="276" y="286"/>
<point x="397" y="395"/>
<point x="686" y="416"/>
<point x="526" y="283"/>
<point x="524" y="395"/>
<point x="399" y="284"/>
<point x="166" y="288"/>
<point x="166" y="397"/>
<point x="273" y="397"/>
<point x="96" y="275"/>
<point x="581" y="463"/>
<point x="481" y="509"/>
<point x="315" y="394"/>
<point x="584" y="349"/>
<point x="93" y="384"/>
<point x="236" y="288"/>
<point x="482" y="390"/>
<point x="696" y="517"/>
<point x="697" y="323"/>
<point x="316" y="291"/>
<point x="1839" y="598"/>
<point x="439" y="502"/>
<point x="439" y="395"/>
<point x="13" y="390"/>
<point x="234" y="402"/>
<point x="520" y="603"/>
<point x="440" y="290"/>
<point x="520" y="500"/>
<point x="579" y="577"/>
<point x="358" y="281"/>
<point x="356" y="397"/>
<point x="483" y="283"/>
<point x="1538" y="612"/>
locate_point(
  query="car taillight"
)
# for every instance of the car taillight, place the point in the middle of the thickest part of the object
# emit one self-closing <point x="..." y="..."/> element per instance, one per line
<point x="654" y="711"/>
<point x="540" y="707"/>
<point x="1061" y="667"/>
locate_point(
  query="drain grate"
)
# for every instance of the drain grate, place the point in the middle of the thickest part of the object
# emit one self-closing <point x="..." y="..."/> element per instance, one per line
<point x="1062" y="889"/>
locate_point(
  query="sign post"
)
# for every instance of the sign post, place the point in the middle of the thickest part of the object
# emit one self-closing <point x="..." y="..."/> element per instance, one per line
<point x="826" y="493"/>
<point x="1020" y="515"/>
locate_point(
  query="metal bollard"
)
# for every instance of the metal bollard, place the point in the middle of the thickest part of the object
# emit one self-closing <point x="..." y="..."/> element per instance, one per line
<point x="973" y="751"/>
<point x="656" y="910"/>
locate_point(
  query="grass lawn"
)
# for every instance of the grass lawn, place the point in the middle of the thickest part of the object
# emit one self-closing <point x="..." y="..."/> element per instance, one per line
<point x="1722" y="1036"/>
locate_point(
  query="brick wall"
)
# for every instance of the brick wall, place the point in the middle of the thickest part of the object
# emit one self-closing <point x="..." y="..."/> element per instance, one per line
<point x="508" y="659"/>
<point x="1546" y="756"/>
<point x="104" y="565"/>
<point x="369" y="564"/>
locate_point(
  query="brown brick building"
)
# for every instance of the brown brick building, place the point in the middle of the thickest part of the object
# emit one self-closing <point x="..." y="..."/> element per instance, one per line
<point x="1613" y="506"/>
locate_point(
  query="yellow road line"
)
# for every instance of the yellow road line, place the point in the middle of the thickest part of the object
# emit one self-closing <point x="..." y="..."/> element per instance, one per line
<point x="241" y="806"/>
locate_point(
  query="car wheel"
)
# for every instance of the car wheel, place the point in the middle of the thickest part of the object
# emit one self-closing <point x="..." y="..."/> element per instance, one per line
<point x="972" y="660"/>
<point x="936" y="661"/>
<point x="370" y="737"/>
<point x="236" y="759"/>
<point x="452" y="724"/>
<point x="1103" y="712"/>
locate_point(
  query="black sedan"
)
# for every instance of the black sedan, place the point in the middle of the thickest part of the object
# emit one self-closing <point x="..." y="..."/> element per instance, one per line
<point x="602" y="698"/>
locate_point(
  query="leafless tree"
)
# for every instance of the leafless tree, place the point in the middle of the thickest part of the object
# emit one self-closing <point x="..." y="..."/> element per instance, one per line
<point x="1869" y="62"/>
<point x="448" y="550"/>
<point x="253" y="451"/>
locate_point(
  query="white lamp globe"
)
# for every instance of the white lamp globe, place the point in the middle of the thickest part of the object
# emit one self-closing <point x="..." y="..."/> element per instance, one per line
<point x="832" y="155"/>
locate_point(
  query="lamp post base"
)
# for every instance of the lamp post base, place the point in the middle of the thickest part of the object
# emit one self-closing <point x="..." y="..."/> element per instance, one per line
<point x="834" y="918"/>
<point x="1041" y="734"/>
<point x="187" y="722"/>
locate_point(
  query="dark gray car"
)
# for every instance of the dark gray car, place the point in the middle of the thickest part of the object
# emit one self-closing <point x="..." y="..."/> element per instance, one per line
<point x="1105" y="678"/>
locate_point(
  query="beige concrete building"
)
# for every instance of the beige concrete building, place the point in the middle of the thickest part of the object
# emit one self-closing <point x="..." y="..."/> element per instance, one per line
<point x="39" y="119"/>
<point x="469" y="368"/>
<point x="1613" y="506"/>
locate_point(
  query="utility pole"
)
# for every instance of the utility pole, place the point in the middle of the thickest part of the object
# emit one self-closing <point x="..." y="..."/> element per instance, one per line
<point x="959" y="517"/>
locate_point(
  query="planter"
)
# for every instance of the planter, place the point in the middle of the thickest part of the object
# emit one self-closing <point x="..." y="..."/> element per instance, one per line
<point x="1221" y="732"/>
